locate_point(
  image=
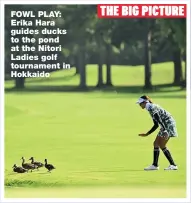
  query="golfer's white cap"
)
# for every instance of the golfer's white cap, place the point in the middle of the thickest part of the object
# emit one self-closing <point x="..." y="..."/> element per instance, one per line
<point x="140" y="100"/>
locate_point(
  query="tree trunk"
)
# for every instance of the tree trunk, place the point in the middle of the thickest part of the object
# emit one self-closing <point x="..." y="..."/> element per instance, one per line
<point x="177" y="66"/>
<point x="100" y="63"/>
<point x="19" y="83"/>
<point x="82" y="68"/>
<point x="148" y="84"/>
<point x="100" y="73"/>
<point x="77" y="65"/>
<point x="185" y="75"/>
<point x="108" y="65"/>
<point x="185" y="71"/>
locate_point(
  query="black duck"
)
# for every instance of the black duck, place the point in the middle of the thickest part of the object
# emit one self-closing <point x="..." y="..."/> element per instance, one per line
<point x="28" y="166"/>
<point x="36" y="163"/>
<point x="19" y="169"/>
<point x="50" y="167"/>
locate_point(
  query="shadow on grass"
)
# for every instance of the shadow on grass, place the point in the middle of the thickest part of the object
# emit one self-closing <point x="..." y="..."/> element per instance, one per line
<point x="53" y="79"/>
<point x="161" y="88"/>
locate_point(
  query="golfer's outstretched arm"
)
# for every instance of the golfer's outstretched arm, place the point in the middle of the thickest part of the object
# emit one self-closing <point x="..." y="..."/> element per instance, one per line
<point x="155" y="126"/>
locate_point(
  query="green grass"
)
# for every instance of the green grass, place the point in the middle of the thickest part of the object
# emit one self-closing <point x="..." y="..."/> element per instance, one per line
<point x="92" y="137"/>
<point x="97" y="192"/>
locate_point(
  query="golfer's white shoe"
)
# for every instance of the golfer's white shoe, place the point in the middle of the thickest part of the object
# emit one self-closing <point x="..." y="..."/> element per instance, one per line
<point x="151" y="168"/>
<point x="171" y="167"/>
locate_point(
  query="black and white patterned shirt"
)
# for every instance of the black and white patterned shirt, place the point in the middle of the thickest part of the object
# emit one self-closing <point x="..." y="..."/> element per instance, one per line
<point x="159" y="116"/>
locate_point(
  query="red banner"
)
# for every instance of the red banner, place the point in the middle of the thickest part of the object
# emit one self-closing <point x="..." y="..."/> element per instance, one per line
<point x="141" y="10"/>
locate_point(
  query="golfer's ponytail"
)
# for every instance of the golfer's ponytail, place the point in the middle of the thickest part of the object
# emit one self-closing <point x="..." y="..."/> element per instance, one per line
<point x="147" y="98"/>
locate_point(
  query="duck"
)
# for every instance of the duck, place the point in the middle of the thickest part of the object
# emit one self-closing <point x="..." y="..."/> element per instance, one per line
<point x="50" y="167"/>
<point x="36" y="163"/>
<point x="19" y="169"/>
<point x="28" y="166"/>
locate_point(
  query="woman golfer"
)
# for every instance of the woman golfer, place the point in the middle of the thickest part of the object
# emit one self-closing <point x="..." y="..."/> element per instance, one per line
<point x="167" y="125"/>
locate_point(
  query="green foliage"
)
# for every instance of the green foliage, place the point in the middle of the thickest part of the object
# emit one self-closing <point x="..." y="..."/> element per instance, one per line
<point x="83" y="25"/>
<point x="176" y="28"/>
<point x="88" y="38"/>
